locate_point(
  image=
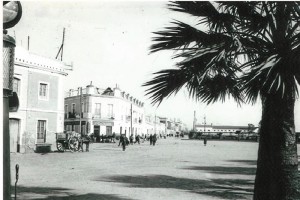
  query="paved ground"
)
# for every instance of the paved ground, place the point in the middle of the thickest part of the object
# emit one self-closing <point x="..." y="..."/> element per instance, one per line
<point x="173" y="169"/>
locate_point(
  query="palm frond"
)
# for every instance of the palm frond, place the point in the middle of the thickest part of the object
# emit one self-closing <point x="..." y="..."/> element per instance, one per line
<point x="216" y="88"/>
<point x="210" y="15"/>
<point x="182" y="35"/>
<point x="265" y="34"/>
<point x="195" y="8"/>
<point x="165" y="83"/>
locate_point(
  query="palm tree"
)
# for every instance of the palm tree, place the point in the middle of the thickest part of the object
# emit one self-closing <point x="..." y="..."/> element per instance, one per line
<point x="244" y="50"/>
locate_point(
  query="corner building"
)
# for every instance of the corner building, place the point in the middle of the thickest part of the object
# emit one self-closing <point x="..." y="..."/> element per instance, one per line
<point x="103" y="112"/>
<point x="38" y="82"/>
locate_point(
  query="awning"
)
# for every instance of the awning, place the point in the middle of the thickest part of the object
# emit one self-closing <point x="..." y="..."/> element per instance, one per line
<point x="103" y="123"/>
<point x="75" y="123"/>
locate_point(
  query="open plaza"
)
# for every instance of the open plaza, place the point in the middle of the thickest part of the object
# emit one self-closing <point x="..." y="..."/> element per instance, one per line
<point x="174" y="168"/>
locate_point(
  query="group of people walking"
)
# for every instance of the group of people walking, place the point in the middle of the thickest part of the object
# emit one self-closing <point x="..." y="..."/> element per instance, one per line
<point x="124" y="141"/>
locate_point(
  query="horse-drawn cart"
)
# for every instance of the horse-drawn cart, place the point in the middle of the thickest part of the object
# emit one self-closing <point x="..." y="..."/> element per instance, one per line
<point x="67" y="140"/>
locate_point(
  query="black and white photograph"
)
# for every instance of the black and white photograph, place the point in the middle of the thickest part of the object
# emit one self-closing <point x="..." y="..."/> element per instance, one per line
<point x="151" y="100"/>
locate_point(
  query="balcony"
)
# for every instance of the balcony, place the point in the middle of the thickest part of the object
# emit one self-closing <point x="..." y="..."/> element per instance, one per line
<point x="110" y="116"/>
<point x="87" y="115"/>
<point x="96" y="116"/>
<point x="72" y="115"/>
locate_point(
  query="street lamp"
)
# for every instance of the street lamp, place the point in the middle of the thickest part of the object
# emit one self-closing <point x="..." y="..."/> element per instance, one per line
<point x="12" y="12"/>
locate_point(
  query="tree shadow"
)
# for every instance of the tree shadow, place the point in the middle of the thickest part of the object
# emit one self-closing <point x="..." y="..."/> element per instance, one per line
<point x="51" y="193"/>
<point x="225" y="170"/>
<point x="222" y="188"/>
<point x="247" y="162"/>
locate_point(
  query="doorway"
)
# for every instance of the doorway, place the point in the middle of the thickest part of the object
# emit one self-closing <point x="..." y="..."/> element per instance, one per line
<point x="108" y="130"/>
<point x="97" y="132"/>
<point x="14" y="129"/>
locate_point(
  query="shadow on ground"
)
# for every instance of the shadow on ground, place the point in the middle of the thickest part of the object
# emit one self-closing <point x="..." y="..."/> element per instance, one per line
<point x="225" y="170"/>
<point x="247" y="162"/>
<point x="44" y="193"/>
<point x="222" y="188"/>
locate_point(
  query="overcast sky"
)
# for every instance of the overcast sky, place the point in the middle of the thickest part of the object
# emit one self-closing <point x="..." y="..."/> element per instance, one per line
<point x="108" y="43"/>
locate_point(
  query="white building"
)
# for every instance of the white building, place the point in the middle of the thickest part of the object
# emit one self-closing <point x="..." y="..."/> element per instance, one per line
<point x="210" y="129"/>
<point x="103" y="111"/>
<point x="38" y="81"/>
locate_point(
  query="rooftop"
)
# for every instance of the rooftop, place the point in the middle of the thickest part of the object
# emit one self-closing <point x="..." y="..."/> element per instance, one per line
<point x="27" y="59"/>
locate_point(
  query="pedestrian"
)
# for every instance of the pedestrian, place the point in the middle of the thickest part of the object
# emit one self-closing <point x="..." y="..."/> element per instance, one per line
<point x="123" y="142"/>
<point x="86" y="140"/>
<point x="131" y="139"/>
<point x="154" y="139"/>
<point x="137" y="139"/>
<point x="205" y="141"/>
<point x="126" y="140"/>
<point x="151" y="139"/>
<point x="113" y="137"/>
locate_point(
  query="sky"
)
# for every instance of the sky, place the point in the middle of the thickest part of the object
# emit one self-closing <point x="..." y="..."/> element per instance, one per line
<point x="108" y="43"/>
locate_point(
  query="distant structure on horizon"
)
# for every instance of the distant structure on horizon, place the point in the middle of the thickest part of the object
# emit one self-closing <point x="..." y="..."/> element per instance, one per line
<point x="225" y="130"/>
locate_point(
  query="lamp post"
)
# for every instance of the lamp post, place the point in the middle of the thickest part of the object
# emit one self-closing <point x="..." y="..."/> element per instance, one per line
<point x="12" y="12"/>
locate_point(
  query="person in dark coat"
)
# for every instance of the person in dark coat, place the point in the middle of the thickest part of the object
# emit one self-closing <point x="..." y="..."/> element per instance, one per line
<point x="154" y="139"/>
<point x="137" y="139"/>
<point x="205" y="141"/>
<point x="113" y="137"/>
<point x="131" y="139"/>
<point x="123" y="142"/>
<point x="151" y="139"/>
<point x="126" y="140"/>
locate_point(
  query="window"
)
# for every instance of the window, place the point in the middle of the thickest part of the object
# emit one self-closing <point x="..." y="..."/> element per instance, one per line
<point x="43" y="91"/>
<point x="41" y="131"/>
<point x="98" y="109"/>
<point x="110" y="110"/>
<point x="87" y="107"/>
<point x="16" y="85"/>
<point x="66" y="111"/>
<point x="73" y="108"/>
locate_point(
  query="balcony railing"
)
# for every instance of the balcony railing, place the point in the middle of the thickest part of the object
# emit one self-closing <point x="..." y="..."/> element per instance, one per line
<point x="72" y="115"/>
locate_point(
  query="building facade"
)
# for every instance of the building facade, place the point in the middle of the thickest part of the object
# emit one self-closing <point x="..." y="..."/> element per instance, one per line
<point x="38" y="81"/>
<point x="173" y="126"/>
<point x="224" y="131"/>
<point x="103" y="112"/>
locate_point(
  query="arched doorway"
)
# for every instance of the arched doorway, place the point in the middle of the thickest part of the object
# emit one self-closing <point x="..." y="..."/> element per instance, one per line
<point x="14" y="129"/>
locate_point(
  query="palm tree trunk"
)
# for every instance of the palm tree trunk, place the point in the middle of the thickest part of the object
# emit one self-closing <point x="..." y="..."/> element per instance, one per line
<point x="277" y="164"/>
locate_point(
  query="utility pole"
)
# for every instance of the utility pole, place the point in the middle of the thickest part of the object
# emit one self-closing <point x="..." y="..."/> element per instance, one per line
<point x="131" y="119"/>
<point x="194" y="122"/>
<point x="155" y="124"/>
<point x="204" y="122"/>
<point x="61" y="49"/>
<point x="80" y="90"/>
<point x="28" y="43"/>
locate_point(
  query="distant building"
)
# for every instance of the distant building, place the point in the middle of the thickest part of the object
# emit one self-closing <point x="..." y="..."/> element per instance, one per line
<point x="38" y="81"/>
<point x="103" y="111"/>
<point x="173" y="126"/>
<point x="153" y="125"/>
<point x="211" y="129"/>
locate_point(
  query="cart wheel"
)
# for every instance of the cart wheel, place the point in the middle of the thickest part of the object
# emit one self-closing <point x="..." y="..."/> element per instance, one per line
<point x="60" y="147"/>
<point x="73" y="144"/>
